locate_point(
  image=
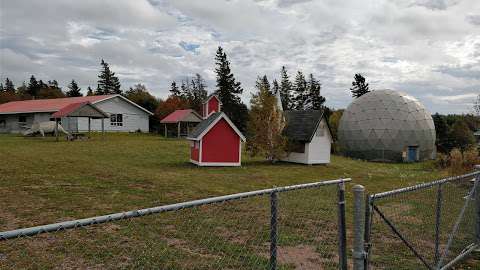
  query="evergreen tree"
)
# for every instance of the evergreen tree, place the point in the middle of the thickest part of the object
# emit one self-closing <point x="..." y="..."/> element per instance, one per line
<point x="359" y="86"/>
<point x="315" y="99"/>
<point x="1" y="87"/>
<point x="174" y="91"/>
<point x="90" y="91"/>
<point x="263" y="82"/>
<point x="108" y="83"/>
<point x="275" y="87"/>
<point x="266" y="125"/>
<point x="476" y="106"/>
<point x="441" y="129"/>
<point x="33" y="87"/>
<point x="286" y="90"/>
<point x="74" y="90"/>
<point x="229" y="91"/>
<point x="198" y="93"/>
<point x="300" y="98"/>
<point x="9" y="87"/>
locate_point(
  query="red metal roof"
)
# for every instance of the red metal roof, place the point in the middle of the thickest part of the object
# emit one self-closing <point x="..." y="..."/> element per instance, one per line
<point x="177" y="116"/>
<point x="46" y="105"/>
<point x="65" y="111"/>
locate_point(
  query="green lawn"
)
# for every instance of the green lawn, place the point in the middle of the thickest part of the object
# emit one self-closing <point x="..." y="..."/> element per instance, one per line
<point x="44" y="182"/>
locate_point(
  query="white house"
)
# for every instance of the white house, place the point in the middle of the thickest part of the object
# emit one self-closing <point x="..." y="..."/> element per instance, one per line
<point x="309" y="137"/>
<point x="125" y="115"/>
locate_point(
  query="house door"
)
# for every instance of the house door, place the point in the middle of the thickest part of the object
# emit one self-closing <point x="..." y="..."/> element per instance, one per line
<point x="412" y="153"/>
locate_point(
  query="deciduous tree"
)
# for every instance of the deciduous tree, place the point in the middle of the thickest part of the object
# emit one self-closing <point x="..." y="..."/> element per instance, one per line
<point x="266" y="125"/>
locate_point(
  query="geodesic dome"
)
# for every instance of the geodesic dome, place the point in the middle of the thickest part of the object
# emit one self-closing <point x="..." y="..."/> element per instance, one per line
<point x="386" y="125"/>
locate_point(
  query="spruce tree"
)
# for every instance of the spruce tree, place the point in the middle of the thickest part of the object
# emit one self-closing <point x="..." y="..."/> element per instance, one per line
<point x="33" y="87"/>
<point x="476" y="106"/>
<point x="90" y="91"/>
<point x="286" y="90"/>
<point x="9" y="87"/>
<point x="275" y="87"/>
<point x="263" y="83"/>
<point x="174" y="91"/>
<point x="315" y="99"/>
<point x="74" y="90"/>
<point x="359" y="86"/>
<point x="229" y="91"/>
<point x="198" y="93"/>
<point x="1" y="87"/>
<point x="301" y="92"/>
<point x="108" y="83"/>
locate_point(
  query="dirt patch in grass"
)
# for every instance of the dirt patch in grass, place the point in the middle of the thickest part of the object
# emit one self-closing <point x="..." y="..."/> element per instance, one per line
<point x="302" y="257"/>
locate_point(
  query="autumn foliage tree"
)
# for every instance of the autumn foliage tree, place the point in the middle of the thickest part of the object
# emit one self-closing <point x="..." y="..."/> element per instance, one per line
<point x="265" y="126"/>
<point x="170" y="105"/>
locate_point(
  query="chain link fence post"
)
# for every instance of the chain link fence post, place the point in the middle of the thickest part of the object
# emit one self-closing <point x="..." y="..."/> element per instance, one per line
<point x="438" y="215"/>
<point x="477" y="205"/>
<point x="358" y="227"/>
<point x="273" y="230"/>
<point x="342" y="230"/>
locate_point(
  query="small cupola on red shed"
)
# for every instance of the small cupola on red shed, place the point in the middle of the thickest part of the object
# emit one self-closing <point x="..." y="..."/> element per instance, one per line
<point x="211" y="105"/>
<point x="216" y="141"/>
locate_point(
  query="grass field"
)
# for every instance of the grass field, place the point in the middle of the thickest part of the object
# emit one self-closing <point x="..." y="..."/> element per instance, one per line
<point x="44" y="182"/>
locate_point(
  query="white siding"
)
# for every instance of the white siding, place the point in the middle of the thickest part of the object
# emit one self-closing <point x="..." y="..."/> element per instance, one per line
<point x="12" y="125"/>
<point x="133" y="118"/>
<point x="320" y="146"/>
<point x="317" y="151"/>
<point x="297" y="157"/>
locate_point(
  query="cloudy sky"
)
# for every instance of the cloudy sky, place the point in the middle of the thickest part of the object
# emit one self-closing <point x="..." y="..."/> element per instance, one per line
<point x="428" y="48"/>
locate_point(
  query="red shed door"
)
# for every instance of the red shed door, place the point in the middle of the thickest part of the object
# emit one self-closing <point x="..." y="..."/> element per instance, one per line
<point x="221" y="144"/>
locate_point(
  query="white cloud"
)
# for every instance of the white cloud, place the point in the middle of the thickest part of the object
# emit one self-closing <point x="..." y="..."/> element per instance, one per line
<point x="428" y="48"/>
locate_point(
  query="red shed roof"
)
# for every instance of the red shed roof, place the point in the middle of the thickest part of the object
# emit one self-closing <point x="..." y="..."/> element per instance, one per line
<point x="178" y="116"/>
<point x="76" y="110"/>
<point x="46" y="105"/>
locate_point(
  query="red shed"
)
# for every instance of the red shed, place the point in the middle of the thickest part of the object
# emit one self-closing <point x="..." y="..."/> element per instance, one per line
<point x="211" y="105"/>
<point x="216" y="141"/>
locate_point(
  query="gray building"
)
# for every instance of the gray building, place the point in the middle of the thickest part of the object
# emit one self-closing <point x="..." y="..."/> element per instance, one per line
<point x="386" y="125"/>
<point x="124" y="115"/>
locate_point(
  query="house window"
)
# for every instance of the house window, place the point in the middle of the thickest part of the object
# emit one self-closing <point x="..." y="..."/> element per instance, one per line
<point x="3" y="124"/>
<point x="116" y="120"/>
<point x="320" y="130"/>
<point x="22" y="119"/>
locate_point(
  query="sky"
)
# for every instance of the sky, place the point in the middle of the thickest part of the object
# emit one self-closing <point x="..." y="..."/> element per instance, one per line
<point x="427" y="48"/>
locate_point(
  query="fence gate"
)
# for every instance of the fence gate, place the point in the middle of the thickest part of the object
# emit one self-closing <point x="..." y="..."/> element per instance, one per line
<point x="427" y="226"/>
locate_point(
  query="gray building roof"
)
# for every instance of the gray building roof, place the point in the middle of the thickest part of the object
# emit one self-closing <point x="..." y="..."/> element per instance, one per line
<point x="301" y="125"/>
<point x="202" y="126"/>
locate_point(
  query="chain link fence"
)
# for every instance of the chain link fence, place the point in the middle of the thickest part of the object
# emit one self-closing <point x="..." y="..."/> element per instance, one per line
<point x="427" y="226"/>
<point x="294" y="227"/>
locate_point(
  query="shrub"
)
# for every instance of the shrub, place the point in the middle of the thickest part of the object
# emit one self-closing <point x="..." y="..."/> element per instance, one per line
<point x="456" y="161"/>
<point x="470" y="158"/>
<point x="442" y="161"/>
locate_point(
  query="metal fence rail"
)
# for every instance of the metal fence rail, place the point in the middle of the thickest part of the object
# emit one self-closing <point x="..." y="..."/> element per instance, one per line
<point x="221" y="232"/>
<point x="430" y="225"/>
